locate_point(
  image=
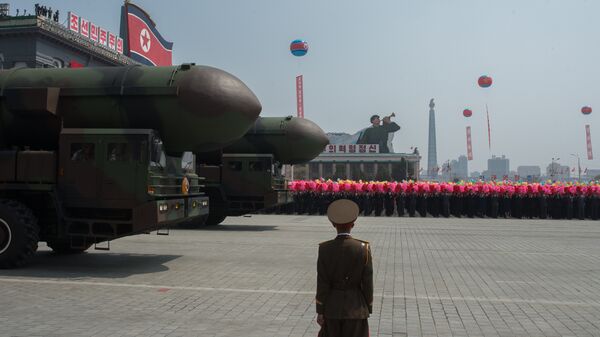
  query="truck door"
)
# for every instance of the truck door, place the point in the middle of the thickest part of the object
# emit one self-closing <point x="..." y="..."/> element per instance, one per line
<point x="79" y="176"/>
<point x="120" y="169"/>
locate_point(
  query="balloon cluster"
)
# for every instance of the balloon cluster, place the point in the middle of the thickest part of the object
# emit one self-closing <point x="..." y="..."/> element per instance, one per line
<point x="558" y="200"/>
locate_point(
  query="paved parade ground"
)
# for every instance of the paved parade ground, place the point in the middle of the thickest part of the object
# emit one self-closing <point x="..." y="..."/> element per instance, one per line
<point x="255" y="276"/>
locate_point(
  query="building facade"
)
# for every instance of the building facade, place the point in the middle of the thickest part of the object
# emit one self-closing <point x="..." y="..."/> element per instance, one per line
<point x="530" y="173"/>
<point x="555" y="171"/>
<point x="37" y="42"/>
<point x="364" y="166"/>
<point x="498" y="168"/>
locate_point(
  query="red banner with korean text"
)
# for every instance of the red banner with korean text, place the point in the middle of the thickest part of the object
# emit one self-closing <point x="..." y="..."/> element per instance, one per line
<point x="73" y="22"/>
<point x="588" y="140"/>
<point x="299" y="96"/>
<point x="469" y="146"/>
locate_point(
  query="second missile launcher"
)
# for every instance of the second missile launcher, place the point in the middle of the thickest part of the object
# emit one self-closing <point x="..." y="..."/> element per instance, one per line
<point x="246" y="176"/>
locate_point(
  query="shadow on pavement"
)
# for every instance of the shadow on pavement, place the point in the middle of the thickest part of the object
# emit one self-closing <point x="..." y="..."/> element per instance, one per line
<point x="103" y="265"/>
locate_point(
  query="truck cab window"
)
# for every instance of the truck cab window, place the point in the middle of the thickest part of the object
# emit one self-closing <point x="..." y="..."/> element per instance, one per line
<point x="118" y="152"/>
<point x="82" y="151"/>
<point x="235" y="165"/>
<point x="256" y="166"/>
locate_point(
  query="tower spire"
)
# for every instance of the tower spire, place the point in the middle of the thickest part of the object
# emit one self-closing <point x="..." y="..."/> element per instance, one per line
<point x="432" y="167"/>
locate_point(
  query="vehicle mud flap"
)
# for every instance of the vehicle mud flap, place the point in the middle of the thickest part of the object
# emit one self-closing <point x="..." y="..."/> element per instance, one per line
<point x="105" y="248"/>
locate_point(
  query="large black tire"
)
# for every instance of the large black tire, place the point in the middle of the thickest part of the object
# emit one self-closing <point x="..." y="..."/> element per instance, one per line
<point x="19" y="234"/>
<point x="63" y="247"/>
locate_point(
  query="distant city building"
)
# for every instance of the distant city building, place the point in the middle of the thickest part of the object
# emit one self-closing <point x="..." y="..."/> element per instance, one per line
<point x="531" y="173"/>
<point x="590" y="174"/>
<point x="456" y="169"/>
<point x="555" y="171"/>
<point x="498" y="168"/>
<point x="475" y="175"/>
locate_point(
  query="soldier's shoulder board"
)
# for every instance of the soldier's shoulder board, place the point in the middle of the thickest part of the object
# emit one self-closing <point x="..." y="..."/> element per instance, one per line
<point x="363" y="241"/>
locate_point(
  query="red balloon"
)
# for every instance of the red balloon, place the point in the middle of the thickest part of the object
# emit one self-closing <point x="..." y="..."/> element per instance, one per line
<point x="484" y="81"/>
<point x="586" y="110"/>
<point x="467" y="113"/>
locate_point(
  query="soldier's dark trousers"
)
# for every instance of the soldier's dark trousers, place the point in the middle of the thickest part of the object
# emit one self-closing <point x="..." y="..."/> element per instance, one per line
<point x="347" y="327"/>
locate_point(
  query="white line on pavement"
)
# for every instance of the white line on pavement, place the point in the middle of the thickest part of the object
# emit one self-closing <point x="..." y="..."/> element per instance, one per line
<point x="293" y="292"/>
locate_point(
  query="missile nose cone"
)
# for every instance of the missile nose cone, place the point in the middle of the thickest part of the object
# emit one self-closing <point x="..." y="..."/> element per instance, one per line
<point x="310" y="139"/>
<point x="227" y="107"/>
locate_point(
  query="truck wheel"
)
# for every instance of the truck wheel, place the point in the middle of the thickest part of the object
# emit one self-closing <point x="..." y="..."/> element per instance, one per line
<point x="215" y="218"/>
<point x="19" y="234"/>
<point x="62" y="247"/>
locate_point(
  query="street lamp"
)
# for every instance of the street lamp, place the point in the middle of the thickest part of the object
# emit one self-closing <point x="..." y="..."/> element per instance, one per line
<point x="578" y="167"/>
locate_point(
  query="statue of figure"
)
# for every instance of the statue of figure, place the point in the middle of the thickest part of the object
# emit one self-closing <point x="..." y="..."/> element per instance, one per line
<point x="431" y="104"/>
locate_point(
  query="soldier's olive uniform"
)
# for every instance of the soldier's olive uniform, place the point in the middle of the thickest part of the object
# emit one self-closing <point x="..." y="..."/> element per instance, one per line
<point x="345" y="286"/>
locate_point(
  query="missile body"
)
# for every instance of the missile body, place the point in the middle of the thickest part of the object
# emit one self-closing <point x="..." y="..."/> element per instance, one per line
<point x="291" y="140"/>
<point x="193" y="108"/>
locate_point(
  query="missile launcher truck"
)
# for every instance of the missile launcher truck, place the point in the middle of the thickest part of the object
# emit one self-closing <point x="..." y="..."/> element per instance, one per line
<point x="90" y="155"/>
<point x="246" y="177"/>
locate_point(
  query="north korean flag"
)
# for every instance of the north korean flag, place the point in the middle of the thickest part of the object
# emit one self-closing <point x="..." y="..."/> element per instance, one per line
<point x="145" y="43"/>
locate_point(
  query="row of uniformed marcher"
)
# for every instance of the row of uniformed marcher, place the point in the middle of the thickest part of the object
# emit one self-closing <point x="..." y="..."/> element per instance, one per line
<point x="445" y="205"/>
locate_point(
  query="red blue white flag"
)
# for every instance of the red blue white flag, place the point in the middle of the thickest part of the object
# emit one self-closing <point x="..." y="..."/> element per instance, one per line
<point x="144" y="42"/>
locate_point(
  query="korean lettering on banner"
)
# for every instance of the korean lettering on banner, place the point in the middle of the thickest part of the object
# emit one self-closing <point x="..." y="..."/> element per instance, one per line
<point x="469" y="146"/>
<point x="93" y="32"/>
<point x="373" y="148"/>
<point x="351" y="148"/>
<point x="341" y="148"/>
<point x="119" y="45"/>
<point x="588" y="140"/>
<point x="84" y="27"/>
<point x="330" y="148"/>
<point x="112" y="41"/>
<point x="299" y="96"/>
<point x="73" y="22"/>
<point x="362" y="148"/>
<point x="103" y="38"/>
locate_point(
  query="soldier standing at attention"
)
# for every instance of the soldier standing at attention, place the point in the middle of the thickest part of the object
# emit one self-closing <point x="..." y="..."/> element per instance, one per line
<point x="344" y="277"/>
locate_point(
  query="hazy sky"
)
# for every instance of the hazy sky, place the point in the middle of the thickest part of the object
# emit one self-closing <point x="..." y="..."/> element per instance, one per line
<point x="386" y="56"/>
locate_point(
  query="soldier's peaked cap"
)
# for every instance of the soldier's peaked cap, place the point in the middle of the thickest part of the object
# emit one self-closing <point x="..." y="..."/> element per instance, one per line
<point x="343" y="211"/>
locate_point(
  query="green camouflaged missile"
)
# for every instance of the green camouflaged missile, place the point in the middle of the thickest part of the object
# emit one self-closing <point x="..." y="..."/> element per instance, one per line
<point x="193" y="108"/>
<point x="289" y="139"/>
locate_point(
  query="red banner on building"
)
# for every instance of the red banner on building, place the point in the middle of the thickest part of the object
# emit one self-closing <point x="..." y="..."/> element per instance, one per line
<point x="85" y="27"/>
<point x="112" y="41"/>
<point x="469" y="146"/>
<point x="299" y="96"/>
<point x="588" y="140"/>
<point x="73" y="22"/>
<point x="93" y="32"/>
<point x="103" y="36"/>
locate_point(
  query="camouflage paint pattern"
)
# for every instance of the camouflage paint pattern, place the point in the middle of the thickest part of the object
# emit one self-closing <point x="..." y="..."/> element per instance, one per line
<point x="193" y="108"/>
<point x="291" y="140"/>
